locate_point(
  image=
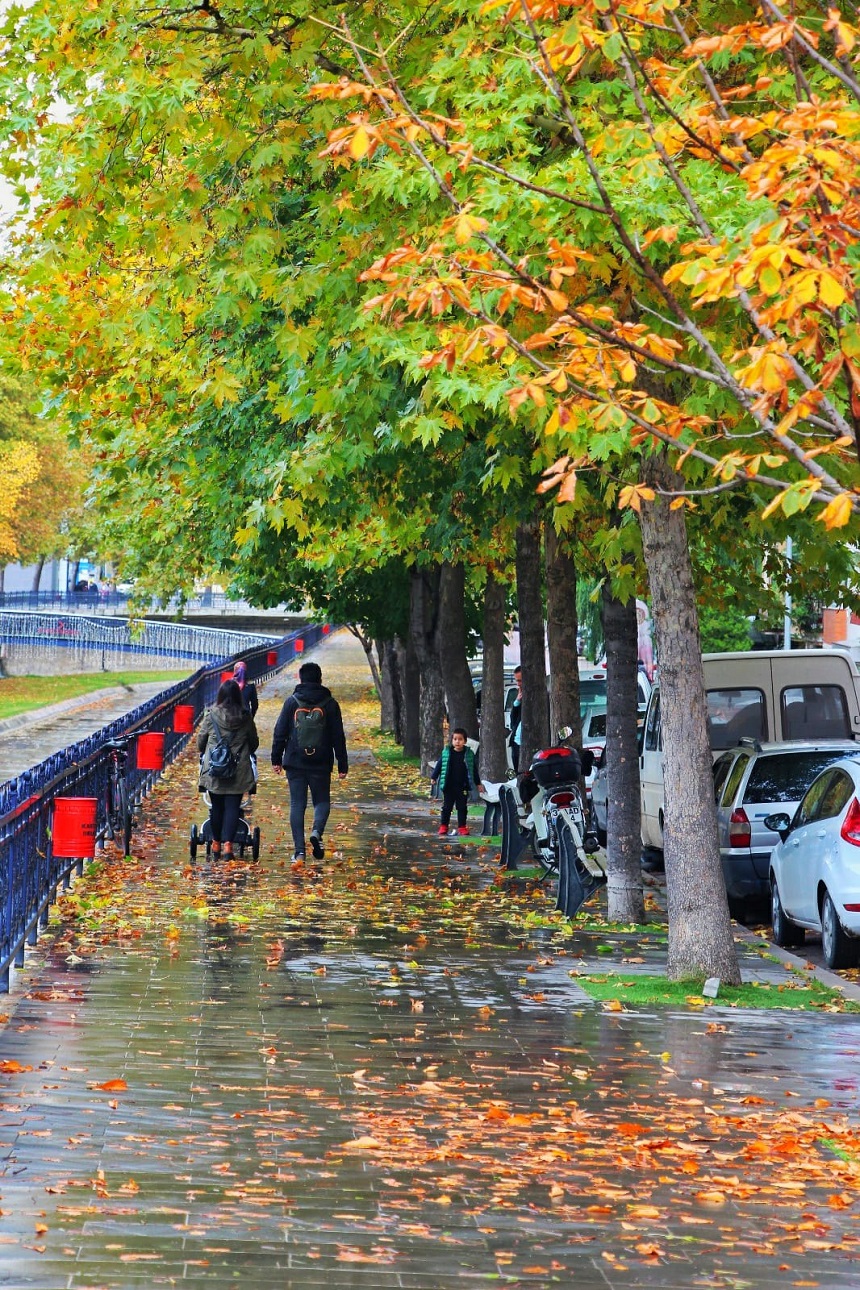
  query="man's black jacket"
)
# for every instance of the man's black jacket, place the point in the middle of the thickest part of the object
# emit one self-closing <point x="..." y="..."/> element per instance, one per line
<point x="285" y="749"/>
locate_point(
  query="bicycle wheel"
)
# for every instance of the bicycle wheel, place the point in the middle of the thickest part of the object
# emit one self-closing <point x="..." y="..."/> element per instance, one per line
<point x="124" y="816"/>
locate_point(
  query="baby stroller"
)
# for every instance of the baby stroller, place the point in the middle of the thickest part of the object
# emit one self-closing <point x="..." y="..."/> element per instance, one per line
<point x="245" y="837"/>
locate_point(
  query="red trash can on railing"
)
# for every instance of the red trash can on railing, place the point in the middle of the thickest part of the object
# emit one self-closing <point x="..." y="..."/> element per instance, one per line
<point x="73" y="829"/>
<point x="326" y="629"/>
<point x="299" y="645"/>
<point x="183" y="719"/>
<point x="226" y="676"/>
<point x="272" y="658"/>
<point x="150" y="751"/>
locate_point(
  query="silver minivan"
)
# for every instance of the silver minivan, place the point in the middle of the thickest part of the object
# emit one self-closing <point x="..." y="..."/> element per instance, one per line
<point x="751" y="782"/>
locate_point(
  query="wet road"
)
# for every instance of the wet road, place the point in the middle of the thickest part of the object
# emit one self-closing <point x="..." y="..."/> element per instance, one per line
<point x="382" y="1074"/>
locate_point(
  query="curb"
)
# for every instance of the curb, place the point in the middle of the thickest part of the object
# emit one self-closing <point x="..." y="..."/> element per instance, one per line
<point x="803" y="966"/>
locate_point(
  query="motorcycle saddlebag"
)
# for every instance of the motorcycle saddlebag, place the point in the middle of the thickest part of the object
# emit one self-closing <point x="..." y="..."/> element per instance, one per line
<point x="553" y="766"/>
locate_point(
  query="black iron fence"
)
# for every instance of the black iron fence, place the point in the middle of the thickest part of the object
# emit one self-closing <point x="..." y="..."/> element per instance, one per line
<point x="30" y="874"/>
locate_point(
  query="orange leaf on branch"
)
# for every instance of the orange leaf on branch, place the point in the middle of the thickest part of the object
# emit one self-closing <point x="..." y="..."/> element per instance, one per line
<point x="633" y="495"/>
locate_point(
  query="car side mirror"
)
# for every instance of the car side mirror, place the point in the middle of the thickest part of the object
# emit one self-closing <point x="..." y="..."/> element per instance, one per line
<point x="778" y="823"/>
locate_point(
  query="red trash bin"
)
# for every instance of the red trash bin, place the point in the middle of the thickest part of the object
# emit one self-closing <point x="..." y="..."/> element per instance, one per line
<point x="183" y="718"/>
<point x="73" y="829"/>
<point x="150" y="751"/>
<point x="299" y="645"/>
<point x="272" y="658"/>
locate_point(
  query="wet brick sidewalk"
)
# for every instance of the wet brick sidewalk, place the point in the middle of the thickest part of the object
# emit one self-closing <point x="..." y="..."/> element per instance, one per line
<point x="372" y="1076"/>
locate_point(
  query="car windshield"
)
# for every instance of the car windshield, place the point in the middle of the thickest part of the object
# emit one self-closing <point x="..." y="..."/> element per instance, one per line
<point x="785" y="777"/>
<point x="592" y="692"/>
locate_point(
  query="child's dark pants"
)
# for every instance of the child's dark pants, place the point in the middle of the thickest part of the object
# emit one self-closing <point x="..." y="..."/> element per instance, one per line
<point x="458" y="797"/>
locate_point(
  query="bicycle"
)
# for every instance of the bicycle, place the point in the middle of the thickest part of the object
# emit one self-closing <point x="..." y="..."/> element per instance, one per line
<point x="119" y="815"/>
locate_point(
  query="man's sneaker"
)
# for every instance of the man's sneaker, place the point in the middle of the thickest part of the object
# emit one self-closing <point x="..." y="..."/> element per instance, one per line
<point x="299" y="857"/>
<point x="463" y="831"/>
<point x="443" y="830"/>
<point x="317" y="846"/>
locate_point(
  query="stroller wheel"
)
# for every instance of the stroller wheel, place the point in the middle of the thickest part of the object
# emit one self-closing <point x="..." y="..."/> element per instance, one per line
<point x="255" y="844"/>
<point x="195" y="839"/>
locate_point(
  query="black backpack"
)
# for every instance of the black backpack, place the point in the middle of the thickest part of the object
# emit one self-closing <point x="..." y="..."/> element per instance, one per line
<point x="223" y="762"/>
<point x="310" y="726"/>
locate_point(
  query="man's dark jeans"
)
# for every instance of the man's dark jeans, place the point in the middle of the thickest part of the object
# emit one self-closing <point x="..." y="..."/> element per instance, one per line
<point x="319" y="784"/>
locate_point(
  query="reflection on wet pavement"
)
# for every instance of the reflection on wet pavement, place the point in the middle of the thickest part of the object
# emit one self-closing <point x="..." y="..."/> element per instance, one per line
<point x="373" y="1076"/>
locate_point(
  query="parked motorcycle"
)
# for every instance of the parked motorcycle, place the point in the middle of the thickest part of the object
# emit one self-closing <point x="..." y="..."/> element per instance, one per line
<point x="546" y="812"/>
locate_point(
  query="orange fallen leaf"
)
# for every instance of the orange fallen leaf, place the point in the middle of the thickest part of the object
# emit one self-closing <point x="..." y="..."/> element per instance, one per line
<point x="13" y="1068"/>
<point x="362" y="1144"/>
<point x="112" y="1086"/>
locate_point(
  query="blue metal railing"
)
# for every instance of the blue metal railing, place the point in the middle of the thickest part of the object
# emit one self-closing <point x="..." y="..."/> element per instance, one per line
<point x="108" y="601"/>
<point x="30" y="874"/>
<point x="124" y="636"/>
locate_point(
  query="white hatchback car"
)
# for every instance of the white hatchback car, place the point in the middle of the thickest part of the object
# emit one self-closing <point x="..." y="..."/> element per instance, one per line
<point x="815" y="869"/>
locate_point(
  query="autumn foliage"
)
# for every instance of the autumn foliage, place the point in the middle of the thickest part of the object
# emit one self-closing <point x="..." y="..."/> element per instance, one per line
<point x="687" y="276"/>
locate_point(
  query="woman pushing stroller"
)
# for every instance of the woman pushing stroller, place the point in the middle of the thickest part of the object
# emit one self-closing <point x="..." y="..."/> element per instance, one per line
<point x="226" y="741"/>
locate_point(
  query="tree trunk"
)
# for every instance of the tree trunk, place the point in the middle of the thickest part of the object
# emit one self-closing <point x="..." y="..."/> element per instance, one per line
<point x="367" y="645"/>
<point x="2" y="578"/>
<point x="562" y="630"/>
<point x="451" y="648"/>
<point x="700" y="930"/>
<point x="494" y="758"/>
<point x="624" y="836"/>
<point x="388" y="695"/>
<point x="37" y="573"/>
<point x="410" y="684"/>
<point x="423" y="621"/>
<point x="535" y="719"/>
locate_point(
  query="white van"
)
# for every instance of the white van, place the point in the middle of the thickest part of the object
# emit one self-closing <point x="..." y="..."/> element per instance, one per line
<point x="768" y="695"/>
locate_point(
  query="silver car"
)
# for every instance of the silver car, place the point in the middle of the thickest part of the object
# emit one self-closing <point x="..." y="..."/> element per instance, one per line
<point x="751" y="782"/>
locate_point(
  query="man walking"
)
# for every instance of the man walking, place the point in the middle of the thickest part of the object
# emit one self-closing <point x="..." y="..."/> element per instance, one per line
<point x="308" y="737"/>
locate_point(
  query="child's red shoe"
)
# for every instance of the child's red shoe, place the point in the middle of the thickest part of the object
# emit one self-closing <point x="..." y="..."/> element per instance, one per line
<point x="443" y="830"/>
<point x="463" y="831"/>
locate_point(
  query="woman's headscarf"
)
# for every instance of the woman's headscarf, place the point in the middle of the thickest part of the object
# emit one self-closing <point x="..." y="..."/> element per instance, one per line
<point x="240" y="673"/>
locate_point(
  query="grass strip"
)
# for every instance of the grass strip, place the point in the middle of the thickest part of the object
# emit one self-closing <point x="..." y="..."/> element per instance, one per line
<point x="639" y="990"/>
<point x="26" y="693"/>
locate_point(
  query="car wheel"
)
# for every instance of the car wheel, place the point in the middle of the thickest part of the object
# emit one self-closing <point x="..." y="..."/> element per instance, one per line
<point x="840" y="950"/>
<point x="785" y="932"/>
